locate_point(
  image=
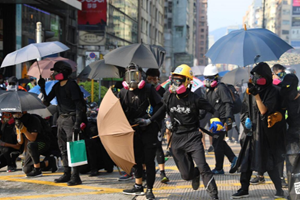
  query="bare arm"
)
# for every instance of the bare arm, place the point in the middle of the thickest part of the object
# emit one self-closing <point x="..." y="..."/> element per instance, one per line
<point x="262" y="108"/>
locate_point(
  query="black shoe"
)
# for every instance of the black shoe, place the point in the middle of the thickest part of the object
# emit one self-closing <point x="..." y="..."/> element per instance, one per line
<point x="196" y="182"/>
<point x="35" y="173"/>
<point x="63" y="179"/>
<point x="75" y="180"/>
<point x="283" y="183"/>
<point x="240" y="194"/>
<point x="94" y="173"/>
<point x="135" y="190"/>
<point x="149" y="194"/>
<point x="53" y="164"/>
<point x="257" y="180"/>
<point x="279" y="194"/>
<point x="211" y="149"/>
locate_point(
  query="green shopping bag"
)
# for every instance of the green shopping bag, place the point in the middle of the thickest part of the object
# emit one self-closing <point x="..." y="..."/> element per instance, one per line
<point x="76" y="153"/>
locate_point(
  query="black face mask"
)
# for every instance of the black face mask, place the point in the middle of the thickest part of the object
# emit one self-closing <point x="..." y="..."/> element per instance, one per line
<point x="289" y="86"/>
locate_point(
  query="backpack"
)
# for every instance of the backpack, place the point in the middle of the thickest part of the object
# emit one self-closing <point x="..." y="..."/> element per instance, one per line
<point x="237" y="102"/>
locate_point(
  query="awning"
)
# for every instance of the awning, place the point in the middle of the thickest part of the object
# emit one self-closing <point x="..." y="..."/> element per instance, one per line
<point x="56" y="4"/>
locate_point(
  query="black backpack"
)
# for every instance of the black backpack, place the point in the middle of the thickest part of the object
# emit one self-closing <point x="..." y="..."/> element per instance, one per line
<point x="237" y="102"/>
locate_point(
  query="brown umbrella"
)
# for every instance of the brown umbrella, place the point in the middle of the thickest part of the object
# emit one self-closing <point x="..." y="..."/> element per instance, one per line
<point x="115" y="132"/>
<point x="45" y="66"/>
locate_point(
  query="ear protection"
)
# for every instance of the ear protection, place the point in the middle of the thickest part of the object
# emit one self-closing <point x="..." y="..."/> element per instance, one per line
<point x="141" y="84"/>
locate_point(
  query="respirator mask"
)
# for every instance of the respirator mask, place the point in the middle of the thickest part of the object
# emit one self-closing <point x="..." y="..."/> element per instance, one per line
<point x="211" y="81"/>
<point x="133" y="78"/>
<point x="178" y="85"/>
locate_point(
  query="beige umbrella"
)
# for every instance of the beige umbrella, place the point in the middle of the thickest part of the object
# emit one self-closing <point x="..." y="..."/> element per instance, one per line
<point x="115" y="132"/>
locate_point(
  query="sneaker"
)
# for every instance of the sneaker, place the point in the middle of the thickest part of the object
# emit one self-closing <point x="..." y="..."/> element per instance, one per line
<point x="233" y="163"/>
<point x="279" y="194"/>
<point x="136" y="190"/>
<point x="149" y="194"/>
<point x="283" y="183"/>
<point x="240" y="194"/>
<point x="211" y="149"/>
<point x="196" y="182"/>
<point x="257" y="180"/>
<point x="215" y="171"/>
<point x="11" y="169"/>
<point x="75" y="180"/>
<point x="94" y="173"/>
<point x="53" y="164"/>
<point x="125" y="177"/>
<point x="164" y="178"/>
<point x="35" y="173"/>
<point x="205" y="151"/>
<point x="64" y="178"/>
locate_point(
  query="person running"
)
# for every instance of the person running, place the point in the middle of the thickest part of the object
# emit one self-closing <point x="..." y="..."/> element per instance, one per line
<point x="265" y="134"/>
<point x="218" y="95"/>
<point x="183" y="107"/>
<point x="135" y="97"/>
<point x="72" y="112"/>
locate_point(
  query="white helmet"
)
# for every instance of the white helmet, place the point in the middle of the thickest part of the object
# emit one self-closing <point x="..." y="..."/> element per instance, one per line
<point x="210" y="70"/>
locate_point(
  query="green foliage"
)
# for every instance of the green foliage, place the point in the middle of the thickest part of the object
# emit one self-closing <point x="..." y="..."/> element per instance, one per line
<point x="87" y="87"/>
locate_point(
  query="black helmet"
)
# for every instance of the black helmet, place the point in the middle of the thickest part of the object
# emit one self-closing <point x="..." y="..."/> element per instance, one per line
<point x="62" y="67"/>
<point x="93" y="105"/>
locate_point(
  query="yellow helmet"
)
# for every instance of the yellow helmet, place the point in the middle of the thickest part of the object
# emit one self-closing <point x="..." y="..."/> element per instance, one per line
<point x="184" y="70"/>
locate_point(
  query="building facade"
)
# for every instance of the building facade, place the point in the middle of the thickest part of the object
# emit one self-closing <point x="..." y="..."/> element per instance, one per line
<point x="201" y="45"/>
<point x="18" y="24"/>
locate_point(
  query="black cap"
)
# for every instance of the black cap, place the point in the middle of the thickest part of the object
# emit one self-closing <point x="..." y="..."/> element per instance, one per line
<point x="60" y="66"/>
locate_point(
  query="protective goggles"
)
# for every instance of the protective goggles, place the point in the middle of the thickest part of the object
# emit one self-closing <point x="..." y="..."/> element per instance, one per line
<point x="178" y="81"/>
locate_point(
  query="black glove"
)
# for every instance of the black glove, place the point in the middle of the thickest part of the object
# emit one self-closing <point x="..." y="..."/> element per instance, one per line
<point x="143" y="122"/>
<point x="252" y="89"/>
<point x="42" y="82"/>
<point x="228" y="124"/>
<point x="76" y="129"/>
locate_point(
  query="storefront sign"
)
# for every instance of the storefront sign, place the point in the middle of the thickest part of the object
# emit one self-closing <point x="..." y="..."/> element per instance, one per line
<point x="93" y="12"/>
<point x="295" y="21"/>
<point x="87" y="38"/>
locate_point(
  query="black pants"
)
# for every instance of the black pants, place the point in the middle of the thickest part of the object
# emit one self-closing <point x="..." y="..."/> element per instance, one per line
<point x="187" y="148"/>
<point x="222" y="149"/>
<point x="274" y="175"/>
<point x="145" y="145"/>
<point x="64" y="135"/>
<point x="34" y="150"/>
<point x="6" y="159"/>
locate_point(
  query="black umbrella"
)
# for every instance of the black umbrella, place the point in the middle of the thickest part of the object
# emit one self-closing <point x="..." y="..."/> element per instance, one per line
<point x="159" y="53"/>
<point x="99" y="69"/>
<point x="140" y="54"/>
<point x="19" y="101"/>
<point x="237" y="76"/>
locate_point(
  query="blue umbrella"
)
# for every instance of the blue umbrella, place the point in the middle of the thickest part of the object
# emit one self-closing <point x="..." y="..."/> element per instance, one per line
<point x="48" y="88"/>
<point x="222" y="73"/>
<point x="241" y="47"/>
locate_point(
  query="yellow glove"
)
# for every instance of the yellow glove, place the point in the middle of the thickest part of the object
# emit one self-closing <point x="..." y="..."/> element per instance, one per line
<point x="274" y="118"/>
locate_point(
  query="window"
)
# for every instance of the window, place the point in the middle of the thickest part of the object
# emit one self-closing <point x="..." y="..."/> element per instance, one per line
<point x="202" y="30"/>
<point x="201" y="43"/>
<point x="285" y="32"/>
<point x="170" y="23"/>
<point x="286" y="22"/>
<point x="170" y="7"/>
<point x="285" y="12"/>
<point x="202" y="36"/>
<point x="202" y="18"/>
<point x="202" y="23"/>
<point x="179" y="31"/>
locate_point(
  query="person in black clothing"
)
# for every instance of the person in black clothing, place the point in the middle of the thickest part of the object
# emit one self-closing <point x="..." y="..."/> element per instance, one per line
<point x="291" y="102"/>
<point x="183" y="107"/>
<point x="30" y="132"/>
<point x="72" y="112"/>
<point x="218" y="95"/>
<point x="263" y="142"/>
<point x="135" y="98"/>
<point x="8" y="155"/>
<point x="152" y="77"/>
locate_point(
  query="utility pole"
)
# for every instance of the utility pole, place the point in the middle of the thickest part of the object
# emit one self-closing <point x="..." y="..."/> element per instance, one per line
<point x="263" y="13"/>
<point x="39" y="36"/>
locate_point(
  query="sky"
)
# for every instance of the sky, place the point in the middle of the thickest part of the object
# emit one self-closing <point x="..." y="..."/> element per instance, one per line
<point x="223" y="13"/>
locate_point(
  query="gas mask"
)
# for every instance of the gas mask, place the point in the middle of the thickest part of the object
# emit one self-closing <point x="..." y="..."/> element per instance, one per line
<point x="281" y="75"/>
<point x="178" y="85"/>
<point x="12" y="87"/>
<point x="211" y="81"/>
<point x="258" y="79"/>
<point x="58" y="76"/>
<point x="133" y="79"/>
<point x="7" y="118"/>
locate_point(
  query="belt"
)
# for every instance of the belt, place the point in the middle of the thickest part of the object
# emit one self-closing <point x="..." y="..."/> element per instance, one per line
<point x="68" y="114"/>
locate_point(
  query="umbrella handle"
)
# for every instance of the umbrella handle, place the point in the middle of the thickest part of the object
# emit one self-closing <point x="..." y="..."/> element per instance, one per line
<point x="134" y="125"/>
<point x="94" y="137"/>
<point x="39" y="67"/>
